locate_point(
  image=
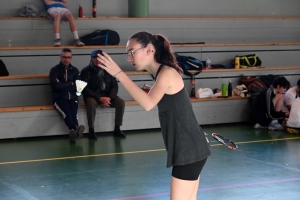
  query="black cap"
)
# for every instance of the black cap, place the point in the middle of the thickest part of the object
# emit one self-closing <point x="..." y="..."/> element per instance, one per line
<point x="95" y="52"/>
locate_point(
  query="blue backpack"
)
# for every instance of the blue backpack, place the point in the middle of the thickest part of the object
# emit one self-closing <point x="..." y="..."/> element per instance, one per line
<point x="189" y="63"/>
<point x="101" y="37"/>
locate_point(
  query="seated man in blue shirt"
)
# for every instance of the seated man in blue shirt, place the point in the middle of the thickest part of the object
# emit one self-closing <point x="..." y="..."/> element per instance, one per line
<point x="58" y="11"/>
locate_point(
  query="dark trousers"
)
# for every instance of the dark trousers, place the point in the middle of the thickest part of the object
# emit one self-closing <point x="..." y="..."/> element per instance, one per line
<point x="263" y="119"/>
<point x="68" y="108"/>
<point x="92" y="104"/>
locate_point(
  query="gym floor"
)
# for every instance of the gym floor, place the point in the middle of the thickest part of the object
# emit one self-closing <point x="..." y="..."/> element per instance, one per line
<point x="266" y="165"/>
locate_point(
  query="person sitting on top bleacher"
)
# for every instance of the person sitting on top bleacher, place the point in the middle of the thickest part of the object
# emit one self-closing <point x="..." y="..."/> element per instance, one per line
<point x="63" y="78"/>
<point x="58" y="11"/>
<point x="267" y="111"/>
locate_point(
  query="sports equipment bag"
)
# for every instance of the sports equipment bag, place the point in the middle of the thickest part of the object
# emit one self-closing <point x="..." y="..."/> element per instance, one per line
<point x="253" y="84"/>
<point x="251" y="60"/>
<point x="189" y="63"/>
<point x="101" y="37"/>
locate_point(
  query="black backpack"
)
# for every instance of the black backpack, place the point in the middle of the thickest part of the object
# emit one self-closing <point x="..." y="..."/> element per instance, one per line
<point x="101" y="37"/>
<point x="189" y="63"/>
<point x="253" y="84"/>
<point x="3" y="70"/>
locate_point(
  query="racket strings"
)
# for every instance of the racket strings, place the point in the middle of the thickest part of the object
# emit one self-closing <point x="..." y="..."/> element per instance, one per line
<point x="225" y="141"/>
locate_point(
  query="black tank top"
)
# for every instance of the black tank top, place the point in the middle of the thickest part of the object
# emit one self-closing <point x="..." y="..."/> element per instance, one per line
<point x="184" y="139"/>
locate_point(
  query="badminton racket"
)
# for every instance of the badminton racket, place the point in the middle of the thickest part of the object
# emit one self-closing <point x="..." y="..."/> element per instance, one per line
<point x="228" y="143"/>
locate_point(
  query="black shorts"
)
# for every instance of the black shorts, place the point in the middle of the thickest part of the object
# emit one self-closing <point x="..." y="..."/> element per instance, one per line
<point x="188" y="172"/>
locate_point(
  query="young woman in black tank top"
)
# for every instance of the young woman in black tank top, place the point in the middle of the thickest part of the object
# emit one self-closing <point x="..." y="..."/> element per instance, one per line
<point x="184" y="139"/>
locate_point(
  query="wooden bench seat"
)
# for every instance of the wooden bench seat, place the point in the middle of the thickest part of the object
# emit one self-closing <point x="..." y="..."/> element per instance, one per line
<point x="45" y="120"/>
<point x="35" y="76"/>
<point x="127" y="103"/>
<point x="173" y="45"/>
<point x="159" y="18"/>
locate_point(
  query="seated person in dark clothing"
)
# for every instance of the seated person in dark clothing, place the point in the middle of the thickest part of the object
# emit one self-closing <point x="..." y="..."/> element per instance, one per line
<point x="102" y="89"/>
<point x="267" y="111"/>
<point x="62" y="80"/>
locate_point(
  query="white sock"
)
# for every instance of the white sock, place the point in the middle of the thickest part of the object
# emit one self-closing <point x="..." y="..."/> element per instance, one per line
<point x="57" y="36"/>
<point x="75" y="33"/>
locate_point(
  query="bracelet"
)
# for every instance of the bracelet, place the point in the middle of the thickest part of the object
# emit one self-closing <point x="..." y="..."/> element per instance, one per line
<point x="118" y="73"/>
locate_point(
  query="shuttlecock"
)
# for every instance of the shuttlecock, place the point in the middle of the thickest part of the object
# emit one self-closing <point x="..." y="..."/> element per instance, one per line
<point x="80" y="85"/>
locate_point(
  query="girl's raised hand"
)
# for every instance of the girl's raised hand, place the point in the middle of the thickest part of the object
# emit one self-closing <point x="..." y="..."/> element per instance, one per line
<point x="108" y="64"/>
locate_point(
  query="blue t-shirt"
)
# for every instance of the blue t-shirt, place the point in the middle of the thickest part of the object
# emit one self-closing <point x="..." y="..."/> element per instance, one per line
<point x="56" y="5"/>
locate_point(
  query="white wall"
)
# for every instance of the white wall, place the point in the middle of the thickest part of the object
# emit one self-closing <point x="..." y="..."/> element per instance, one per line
<point x="174" y="8"/>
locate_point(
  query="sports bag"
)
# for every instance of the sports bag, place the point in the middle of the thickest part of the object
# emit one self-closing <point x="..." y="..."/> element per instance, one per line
<point x="253" y="84"/>
<point x="189" y="63"/>
<point x="3" y="70"/>
<point x="251" y="60"/>
<point x="101" y="37"/>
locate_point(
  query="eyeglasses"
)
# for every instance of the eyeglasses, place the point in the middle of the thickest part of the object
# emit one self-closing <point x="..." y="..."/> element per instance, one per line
<point x="131" y="53"/>
<point x="67" y="57"/>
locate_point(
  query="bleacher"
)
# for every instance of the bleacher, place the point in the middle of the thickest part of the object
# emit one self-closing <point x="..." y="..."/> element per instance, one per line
<point x="26" y="103"/>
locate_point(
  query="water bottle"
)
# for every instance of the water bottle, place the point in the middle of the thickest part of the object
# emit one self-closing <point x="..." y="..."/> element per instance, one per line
<point x="80" y="11"/>
<point x="94" y="8"/>
<point x="229" y="89"/>
<point x="237" y="62"/>
<point x="208" y="62"/>
<point x="9" y="43"/>
<point x="224" y="87"/>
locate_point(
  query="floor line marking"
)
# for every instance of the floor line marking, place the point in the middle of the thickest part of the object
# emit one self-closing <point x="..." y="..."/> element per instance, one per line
<point x="77" y="157"/>
<point x="21" y="191"/>
<point x="131" y="152"/>
<point x="213" y="188"/>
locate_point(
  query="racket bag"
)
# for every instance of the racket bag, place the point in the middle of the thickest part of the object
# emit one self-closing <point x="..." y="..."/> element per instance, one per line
<point x="189" y="63"/>
<point x="101" y="37"/>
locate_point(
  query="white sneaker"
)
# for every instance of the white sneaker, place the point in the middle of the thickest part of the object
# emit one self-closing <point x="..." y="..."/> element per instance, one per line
<point x="57" y="42"/>
<point x="258" y="126"/>
<point x="276" y="127"/>
<point x="78" y="43"/>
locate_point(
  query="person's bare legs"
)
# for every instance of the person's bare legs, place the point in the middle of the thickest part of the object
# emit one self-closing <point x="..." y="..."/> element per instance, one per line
<point x="183" y="189"/>
<point x="67" y="16"/>
<point x="56" y="21"/>
<point x="194" y="197"/>
<point x="56" y="26"/>
<point x="278" y="102"/>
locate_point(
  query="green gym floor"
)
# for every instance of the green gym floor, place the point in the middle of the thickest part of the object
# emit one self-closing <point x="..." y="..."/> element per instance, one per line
<point x="266" y="165"/>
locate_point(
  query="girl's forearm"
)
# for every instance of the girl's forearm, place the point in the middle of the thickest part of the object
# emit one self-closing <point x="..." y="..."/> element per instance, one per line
<point x="136" y="92"/>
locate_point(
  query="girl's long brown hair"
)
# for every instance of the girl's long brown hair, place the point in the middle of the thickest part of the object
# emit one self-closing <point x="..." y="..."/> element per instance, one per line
<point x="163" y="52"/>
